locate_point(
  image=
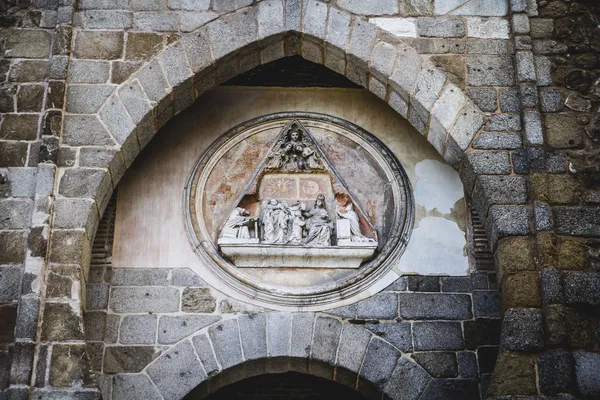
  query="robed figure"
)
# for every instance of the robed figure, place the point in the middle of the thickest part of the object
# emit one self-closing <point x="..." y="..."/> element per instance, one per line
<point x="275" y="222"/>
<point x="318" y="224"/>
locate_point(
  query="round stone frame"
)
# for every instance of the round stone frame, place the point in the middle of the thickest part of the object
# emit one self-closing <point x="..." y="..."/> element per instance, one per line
<point x="370" y="278"/>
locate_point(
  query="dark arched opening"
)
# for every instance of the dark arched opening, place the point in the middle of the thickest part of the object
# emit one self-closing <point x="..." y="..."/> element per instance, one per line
<point x="289" y="385"/>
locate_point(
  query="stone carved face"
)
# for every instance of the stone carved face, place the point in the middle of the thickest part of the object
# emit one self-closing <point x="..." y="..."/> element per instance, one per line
<point x="295" y="136"/>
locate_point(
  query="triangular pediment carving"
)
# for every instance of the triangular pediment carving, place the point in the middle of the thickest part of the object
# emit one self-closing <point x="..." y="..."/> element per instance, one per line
<point x="296" y="205"/>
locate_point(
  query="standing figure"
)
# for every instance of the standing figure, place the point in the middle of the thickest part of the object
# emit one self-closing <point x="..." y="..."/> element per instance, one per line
<point x="275" y="220"/>
<point x="318" y="224"/>
<point x="298" y="223"/>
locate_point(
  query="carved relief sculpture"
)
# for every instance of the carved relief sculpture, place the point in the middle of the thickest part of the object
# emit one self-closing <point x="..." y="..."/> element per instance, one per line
<point x="318" y="224"/>
<point x="237" y="228"/>
<point x="294" y="152"/>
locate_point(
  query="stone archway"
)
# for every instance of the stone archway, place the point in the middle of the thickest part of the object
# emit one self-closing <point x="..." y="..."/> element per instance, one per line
<point x="251" y="345"/>
<point x="233" y="44"/>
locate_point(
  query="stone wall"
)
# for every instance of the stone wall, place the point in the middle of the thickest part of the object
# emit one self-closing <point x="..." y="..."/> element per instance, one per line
<point x="531" y="171"/>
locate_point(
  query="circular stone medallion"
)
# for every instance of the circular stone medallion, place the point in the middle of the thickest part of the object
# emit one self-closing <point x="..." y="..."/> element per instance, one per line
<point x="298" y="211"/>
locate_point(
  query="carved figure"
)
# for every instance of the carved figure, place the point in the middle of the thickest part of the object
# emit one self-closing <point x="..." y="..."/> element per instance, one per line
<point x="294" y="152"/>
<point x="352" y="217"/>
<point x="298" y="223"/>
<point x="237" y="224"/>
<point x="318" y="224"/>
<point x="275" y="221"/>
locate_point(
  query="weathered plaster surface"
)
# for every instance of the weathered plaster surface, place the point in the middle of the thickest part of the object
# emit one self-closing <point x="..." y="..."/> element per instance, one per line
<point x="437" y="246"/>
<point x="438" y="186"/>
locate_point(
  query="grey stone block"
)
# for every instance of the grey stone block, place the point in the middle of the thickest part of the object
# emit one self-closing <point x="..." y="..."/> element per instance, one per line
<point x="16" y="213"/>
<point x="444" y="27"/>
<point x="139" y="277"/>
<point x="302" y="333"/>
<point x="189" y="5"/>
<point x="27" y="43"/>
<point x="344" y="312"/>
<point x="99" y="45"/>
<point x="253" y="333"/>
<point x="448" y="105"/>
<point x="587" y="373"/>
<point x="27" y="317"/>
<point x="408" y="380"/>
<point x="398" y="333"/>
<point x="190" y="21"/>
<point x="577" y="221"/>
<point x="417" y="283"/>
<point x="486" y="304"/>
<point x="293" y="13"/>
<point x="509" y="100"/>
<point x="504" y="122"/>
<point x="468" y="122"/>
<point x="162" y="21"/>
<point x="556" y="373"/>
<point x="10" y="282"/>
<point x="75" y="213"/>
<point x="484" y="8"/>
<point x="116" y="119"/>
<point x="177" y="372"/>
<point x="230" y="5"/>
<point x="550" y="100"/>
<point x="85" y="130"/>
<point x="353" y="344"/>
<point x="489" y="162"/>
<point x="451" y="388"/>
<point x="172" y="329"/>
<point x="484" y="98"/>
<point x="338" y="28"/>
<point x="408" y="68"/>
<point x="456" y="284"/>
<point x="362" y="41"/>
<point x="467" y="364"/>
<point x="582" y="288"/>
<point x="97" y="296"/>
<point x="326" y="339"/>
<point x="270" y="18"/>
<point x="544" y="220"/>
<point x="438" y="364"/>
<point x="520" y="23"/>
<point x="206" y="354"/>
<point x="230" y="33"/>
<point x="428" y="88"/>
<point x="87" y="99"/>
<point x="314" y="18"/>
<point x="437" y="336"/>
<point x="134" y="387"/>
<point x="379" y="363"/>
<point x="370" y="7"/>
<point x="279" y="331"/>
<point x="382" y="61"/>
<point x="487" y="70"/>
<point x="522" y="330"/>
<point x="138" y="329"/>
<point x="135" y="101"/>
<point x="144" y="299"/>
<point x="552" y="290"/>
<point x="381" y="306"/>
<point x="498" y="141"/>
<point x="118" y="359"/>
<point x="153" y="81"/>
<point x="435" y="306"/>
<point x="87" y="71"/>
<point x="225" y="338"/>
<point x="21" y="181"/>
<point x="198" y="51"/>
<point x="525" y="66"/>
<point x="490" y="190"/>
<point x="105" y="19"/>
<point x="175" y="64"/>
<point x="186" y="277"/>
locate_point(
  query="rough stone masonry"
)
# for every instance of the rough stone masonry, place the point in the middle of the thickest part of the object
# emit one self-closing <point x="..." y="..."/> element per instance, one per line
<point x="508" y="92"/>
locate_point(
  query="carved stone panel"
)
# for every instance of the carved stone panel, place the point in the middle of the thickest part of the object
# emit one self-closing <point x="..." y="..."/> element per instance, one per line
<point x="298" y="209"/>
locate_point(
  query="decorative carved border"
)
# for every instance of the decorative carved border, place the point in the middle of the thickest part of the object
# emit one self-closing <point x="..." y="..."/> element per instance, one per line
<point x="316" y="297"/>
